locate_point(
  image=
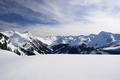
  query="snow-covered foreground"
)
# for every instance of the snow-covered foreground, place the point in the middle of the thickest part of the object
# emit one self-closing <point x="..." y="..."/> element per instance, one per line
<point x="59" y="67"/>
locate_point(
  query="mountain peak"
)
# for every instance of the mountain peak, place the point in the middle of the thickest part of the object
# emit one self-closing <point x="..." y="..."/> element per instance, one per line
<point x="104" y="32"/>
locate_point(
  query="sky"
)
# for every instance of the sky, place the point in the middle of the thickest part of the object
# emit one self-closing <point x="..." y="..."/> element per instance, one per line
<point x="60" y="17"/>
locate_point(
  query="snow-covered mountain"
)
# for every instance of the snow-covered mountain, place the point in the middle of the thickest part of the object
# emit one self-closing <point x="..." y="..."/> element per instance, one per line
<point x="91" y="40"/>
<point x="102" y="43"/>
<point x="22" y="43"/>
<point x="26" y="44"/>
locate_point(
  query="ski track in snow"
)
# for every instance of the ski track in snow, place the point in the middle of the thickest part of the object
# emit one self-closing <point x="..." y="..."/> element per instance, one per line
<point x="60" y="67"/>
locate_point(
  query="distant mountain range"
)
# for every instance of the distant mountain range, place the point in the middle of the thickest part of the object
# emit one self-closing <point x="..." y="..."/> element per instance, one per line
<point x="25" y="44"/>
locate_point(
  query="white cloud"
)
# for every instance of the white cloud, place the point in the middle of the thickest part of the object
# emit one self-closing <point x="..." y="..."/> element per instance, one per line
<point x="96" y="20"/>
<point x="105" y="21"/>
<point x="63" y="10"/>
<point x="85" y="2"/>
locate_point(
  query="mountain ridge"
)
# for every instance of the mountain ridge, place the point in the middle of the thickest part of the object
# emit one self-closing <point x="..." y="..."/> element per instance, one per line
<point x="26" y="44"/>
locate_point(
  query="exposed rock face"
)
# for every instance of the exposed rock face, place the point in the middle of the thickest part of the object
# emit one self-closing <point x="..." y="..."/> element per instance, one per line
<point x="3" y="41"/>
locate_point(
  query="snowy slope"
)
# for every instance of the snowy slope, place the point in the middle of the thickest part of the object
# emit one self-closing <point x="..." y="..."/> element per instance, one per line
<point x="7" y="53"/>
<point x="60" y="67"/>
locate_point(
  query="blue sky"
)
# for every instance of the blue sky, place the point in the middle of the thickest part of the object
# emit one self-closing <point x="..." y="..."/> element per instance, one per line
<point x="60" y="17"/>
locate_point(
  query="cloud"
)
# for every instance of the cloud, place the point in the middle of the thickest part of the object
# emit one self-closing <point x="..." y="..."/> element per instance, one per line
<point x="60" y="10"/>
<point x="69" y="10"/>
<point x="95" y="22"/>
<point x="74" y="16"/>
<point x="14" y="12"/>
